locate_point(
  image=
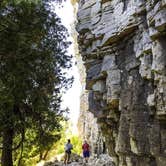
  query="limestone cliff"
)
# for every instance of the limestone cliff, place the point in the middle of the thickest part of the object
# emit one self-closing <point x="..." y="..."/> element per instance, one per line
<point x="87" y="123"/>
<point x="89" y="129"/>
<point x="123" y="46"/>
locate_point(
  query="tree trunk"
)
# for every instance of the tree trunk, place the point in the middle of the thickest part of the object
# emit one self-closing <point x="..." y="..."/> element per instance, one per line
<point x="19" y="161"/>
<point x="40" y="156"/>
<point x="7" y="147"/>
<point x="45" y="155"/>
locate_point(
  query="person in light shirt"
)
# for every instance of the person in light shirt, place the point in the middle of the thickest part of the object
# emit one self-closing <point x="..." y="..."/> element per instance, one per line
<point x="68" y="148"/>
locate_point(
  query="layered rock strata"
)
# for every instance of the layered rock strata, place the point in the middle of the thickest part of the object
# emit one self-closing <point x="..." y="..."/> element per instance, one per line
<point x="123" y="46"/>
<point x="87" y="124"/>
<point x="89" y="129"/>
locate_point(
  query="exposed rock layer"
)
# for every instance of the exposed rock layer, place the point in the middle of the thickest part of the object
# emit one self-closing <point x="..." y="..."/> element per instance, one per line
<point x="123" y="45"/>
<point x="89" y="129"/>
<point x="87" y="123"/>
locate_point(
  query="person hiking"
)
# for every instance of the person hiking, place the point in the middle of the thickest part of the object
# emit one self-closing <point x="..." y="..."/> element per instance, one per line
<point x="68" y="148"/>
<point x="86" y="151"/>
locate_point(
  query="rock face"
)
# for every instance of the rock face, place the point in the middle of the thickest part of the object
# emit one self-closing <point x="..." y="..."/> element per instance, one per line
<point x="89" y="129"/>
<point x="87" y="123"/>
<point x="123" y="46"/>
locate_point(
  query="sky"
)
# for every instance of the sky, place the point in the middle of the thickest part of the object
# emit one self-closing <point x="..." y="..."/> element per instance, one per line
<point x="72" y="97"/>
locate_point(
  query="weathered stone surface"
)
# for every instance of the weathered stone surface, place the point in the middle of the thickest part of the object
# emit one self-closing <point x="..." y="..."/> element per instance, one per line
<point x="87" y="123"/>
<point x="123" y="46"/>
<point x="88" y="128"/>
<point x="102" y="160"/>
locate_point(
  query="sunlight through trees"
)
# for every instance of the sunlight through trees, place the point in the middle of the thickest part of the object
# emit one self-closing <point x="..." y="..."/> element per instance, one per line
<point x="33" y="55"/>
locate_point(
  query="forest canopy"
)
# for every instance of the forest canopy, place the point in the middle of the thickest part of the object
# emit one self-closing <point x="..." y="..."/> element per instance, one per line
<point x="33" y="58"/>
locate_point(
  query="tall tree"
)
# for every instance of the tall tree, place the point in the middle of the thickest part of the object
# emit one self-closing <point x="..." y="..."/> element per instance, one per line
<point x="33" y="56"/>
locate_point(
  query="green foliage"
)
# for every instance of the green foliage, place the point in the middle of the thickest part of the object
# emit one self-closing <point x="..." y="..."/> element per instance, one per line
<point x="75" y="140"/>
<point x="33" y="56"/>
<point x="57" y="149"/>
<point x="66" y="133"/>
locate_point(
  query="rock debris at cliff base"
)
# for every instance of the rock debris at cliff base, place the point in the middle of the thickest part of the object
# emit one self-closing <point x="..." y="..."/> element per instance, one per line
<point x="102" y="160"/>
